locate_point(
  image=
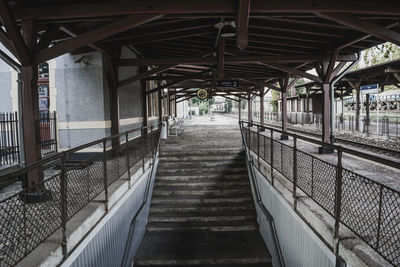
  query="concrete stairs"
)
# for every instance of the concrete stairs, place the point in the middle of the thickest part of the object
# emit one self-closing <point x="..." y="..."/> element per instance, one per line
<point x="202" y="212"/>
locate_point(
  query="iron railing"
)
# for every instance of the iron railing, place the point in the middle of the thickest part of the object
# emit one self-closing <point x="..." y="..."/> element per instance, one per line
<point x="28" y="218"/>
<point x="10" y="152"/>
<point x="48" y="133"/>
<point x="9" y="139"/>
<point x="368" y="208"/>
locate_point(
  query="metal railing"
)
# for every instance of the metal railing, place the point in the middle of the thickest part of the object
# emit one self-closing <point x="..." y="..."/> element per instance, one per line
<point x="28" y="218"/>
<point x="277" y="252"/>
<point x="48" y="133"/>
<point x="128" y="256"/>
<point x="10" y="152"/>
<point x="9" y="139"/>
<point x="368" y="208"/>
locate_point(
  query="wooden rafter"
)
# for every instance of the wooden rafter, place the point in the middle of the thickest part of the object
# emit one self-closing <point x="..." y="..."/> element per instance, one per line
<point x="144" y="75"/>
<point x="202" y="7"/>
<point x="364" y="26"/>
<point x="93" y="36"/>
<point x="292" y="71"/>
<point x="14" y="33"/>
<point x="242" y="24"/>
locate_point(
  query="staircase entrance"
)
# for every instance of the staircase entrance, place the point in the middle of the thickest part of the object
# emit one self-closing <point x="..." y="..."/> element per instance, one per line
<point x="202" y="212"/>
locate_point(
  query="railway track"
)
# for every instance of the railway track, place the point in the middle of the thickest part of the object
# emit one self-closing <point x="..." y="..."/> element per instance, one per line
<point x="369" y="147"/>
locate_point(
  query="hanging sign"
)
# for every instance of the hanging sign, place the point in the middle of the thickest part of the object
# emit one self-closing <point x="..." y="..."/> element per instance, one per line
<point x="369" y="89"/>
<point x="228" y="83"/>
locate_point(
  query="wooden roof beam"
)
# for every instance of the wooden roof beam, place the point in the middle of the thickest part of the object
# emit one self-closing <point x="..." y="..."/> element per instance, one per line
<point x="67" y="11"/>
<point x="292" y="71"/>
<point x="242" y="24"/>
<point x="363" y="26"/>
<point x="14" y="34"/>
<point x="93" y="36"/>
<point x="144" y="75"/>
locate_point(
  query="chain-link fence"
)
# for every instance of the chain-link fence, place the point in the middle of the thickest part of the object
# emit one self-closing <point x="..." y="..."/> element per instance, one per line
<point x="31" y="216"/>
<point x="368" y="208"/>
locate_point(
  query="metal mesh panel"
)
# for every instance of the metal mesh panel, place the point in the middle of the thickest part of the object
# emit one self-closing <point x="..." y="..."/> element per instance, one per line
<point x="360" y="206"/>
<point x="43" y="219"/>
<point x="277" y="156"/>
<point x="262" y="138"/>
<point x="287" y="162"/>
<point x="12" y="235"/>
<point x="304" y="172"/>
<point x="78" y="191"/>
<point x="267" y="150"/>
<point x="112" y="167"/>
<point x="324" y="184"/>
<point x="389" y="241"/>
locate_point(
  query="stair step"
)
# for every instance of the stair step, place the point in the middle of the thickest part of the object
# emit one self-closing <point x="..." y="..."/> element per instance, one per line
<point x="214" y="169"/>
<point x="210" y="192"/>
<point x="190" y="199"/>
<point x="198" y="247"/>
<point x="159" y="229"/>
<point x="160" y="184"/>
<point x="201" y="157"/>
<point x="183" y="209"/>
<point x="193" y="152"/>
<point x="206" y="261"/>
<point x="198" y="217"/>
<point x="196" y="164"/>
<point x="244" y="225"/>
<point x="202" y="177"/>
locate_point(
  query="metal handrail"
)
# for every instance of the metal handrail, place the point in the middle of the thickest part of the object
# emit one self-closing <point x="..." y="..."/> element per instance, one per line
<point x="381" y="160"/>
<point x="125" y="258"/>
<point x="259" y="202"/>
<point x="60" y="155"/>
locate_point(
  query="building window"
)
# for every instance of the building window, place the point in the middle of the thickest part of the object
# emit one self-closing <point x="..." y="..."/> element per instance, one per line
<point x="43" y="90"/>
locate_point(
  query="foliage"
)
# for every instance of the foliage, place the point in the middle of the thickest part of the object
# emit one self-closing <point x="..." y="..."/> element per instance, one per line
<point x="274" y="102"/>
<point x="228" y="105"/>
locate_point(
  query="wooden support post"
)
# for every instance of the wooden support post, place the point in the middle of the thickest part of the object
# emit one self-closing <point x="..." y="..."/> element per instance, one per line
<point x="325" y="116"/>
<point x="169" y="104"/>
<point x="30" y="113"/>
<point x="249" y="115"/>
<point x="160" y="118"/>
<point x="144" y="106"/>
<point x="176" y="106"/>
<point x="262" y="108"/>
<point x="284" y="87"/>
<point x="358" y="105"/>
<point x="240" y="109"/>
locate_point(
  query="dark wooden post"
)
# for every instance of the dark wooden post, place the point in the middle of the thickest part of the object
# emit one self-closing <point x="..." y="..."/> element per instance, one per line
<point x="284" y="87"/>
<point x="159" y="105"/>
<point x="326" y="113"/>
<point x="30" y="112"/>
<point x="358" y="108"/>
<point x="144" y="106"/>
<point x="176" y="105"/>
<point x="249" y="115"/>
<point x="262" y="108"/>
<point x="114" y="113"/>
<point x="240" y="109"/>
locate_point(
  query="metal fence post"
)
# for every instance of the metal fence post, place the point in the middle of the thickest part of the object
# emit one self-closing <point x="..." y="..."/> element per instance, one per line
<point x="338" y="192"/>
<point x="294" y="170"/>
<point x="63" y="206"/>
<point x="55" y="132"/>
<point x="105" y="174"/>
<point x="272" y="157"/>
<point x="127" y="160"/>
<point x="151" y="142"/>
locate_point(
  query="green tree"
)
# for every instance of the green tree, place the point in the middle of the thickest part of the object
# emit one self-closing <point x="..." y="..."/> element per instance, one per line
<point x="274" y="102"/>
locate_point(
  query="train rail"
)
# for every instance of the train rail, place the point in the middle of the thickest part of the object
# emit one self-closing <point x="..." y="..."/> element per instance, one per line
<point x="372" y="148"/>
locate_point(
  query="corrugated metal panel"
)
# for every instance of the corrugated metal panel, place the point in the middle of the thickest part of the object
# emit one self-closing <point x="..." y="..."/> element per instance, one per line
<point x="300" y="246"/>
<point x="105" y="245"/>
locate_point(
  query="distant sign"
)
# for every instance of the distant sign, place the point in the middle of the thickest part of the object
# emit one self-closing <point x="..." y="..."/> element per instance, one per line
<point x="370" y="89"/>
<point x="228" y="83"/>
